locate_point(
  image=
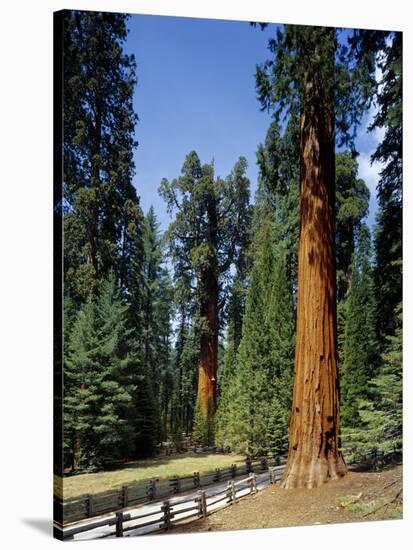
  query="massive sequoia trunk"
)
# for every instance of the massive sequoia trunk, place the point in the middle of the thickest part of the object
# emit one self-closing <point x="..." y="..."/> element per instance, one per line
<point x="208" y="360"/>
<point x="314" y="455"/>
<point x="208" y="347"/>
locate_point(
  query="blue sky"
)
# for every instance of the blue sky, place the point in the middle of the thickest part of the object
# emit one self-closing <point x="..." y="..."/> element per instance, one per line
<point x="196" y="91"/>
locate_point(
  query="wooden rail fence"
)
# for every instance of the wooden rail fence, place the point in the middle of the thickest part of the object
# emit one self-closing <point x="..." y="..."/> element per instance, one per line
<point x="92" y="505"/>
<point x="168" y="513"/>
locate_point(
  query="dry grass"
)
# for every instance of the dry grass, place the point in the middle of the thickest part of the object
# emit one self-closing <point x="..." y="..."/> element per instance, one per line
<point x="161" y="468"/>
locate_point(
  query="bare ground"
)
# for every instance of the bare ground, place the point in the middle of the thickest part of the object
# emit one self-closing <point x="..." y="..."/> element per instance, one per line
<point x="359" y="496"/>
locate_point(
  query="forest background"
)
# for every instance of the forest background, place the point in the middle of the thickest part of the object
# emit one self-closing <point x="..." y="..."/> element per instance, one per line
<point x="31" y="313"/>
<point x="190" y="331"/>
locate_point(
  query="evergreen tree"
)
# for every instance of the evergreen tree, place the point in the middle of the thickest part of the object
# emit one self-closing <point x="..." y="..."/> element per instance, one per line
<point x="360" y="345"/>
<point x="384" y="52"/>
<point x="226" y="432"/>
<point x="381" y="410"/>
<point x="309" y="74"/>
<point x="352" y="204"/>
<point x="205" y="240"/>
<point x="275" y="215"/>
<point x="257" y="386"/>
<point x="100" y="380"/>
<point x="102" y="215"/>
<point x="154" y="339"/>
<point x="388" y="237"/>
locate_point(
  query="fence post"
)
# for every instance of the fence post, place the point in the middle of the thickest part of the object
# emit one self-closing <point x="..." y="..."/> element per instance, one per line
<point x="231" y="492"/>
<point x="151" y="490"/>
<point x="124" y="496"/>
<point x="175" y="484"/>
<point x="201" y="499"/>
<point x="90" y="508"/>
<point x="203" y="504"/>
<point x="253" y="483"/>
<point x="119" y="524"/>
<point x="217" y="475"/>
<point x="166" y="509"/>
<point x="197" y="480"/>
<point x="272" y="476"/>
<point x="228" y="492"/>
<point x="233" y="470"/>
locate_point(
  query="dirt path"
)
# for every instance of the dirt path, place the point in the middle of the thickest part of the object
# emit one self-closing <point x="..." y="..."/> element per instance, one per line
<point x="359" y="496"/>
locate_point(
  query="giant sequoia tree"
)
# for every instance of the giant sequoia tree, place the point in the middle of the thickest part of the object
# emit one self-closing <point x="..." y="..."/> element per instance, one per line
<point x="205" y="239"/>
<point x="308" y="76"/>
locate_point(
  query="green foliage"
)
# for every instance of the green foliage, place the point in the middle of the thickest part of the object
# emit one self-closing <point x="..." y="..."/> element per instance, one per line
<point x="204" y="424"/>
<point x="360" y="343"/>
<point x="352" y="203"/>
<point x="205" y="239"/>
<point x="100" y="381"/>
<point x="156" y="334"/>
<point x="381" y="414"/>
<point x="300" y="51"/>
<point x="380" y="52"/>
<point x="256" y="394"/>
<point x="211" y="217"/>
<point x="126" y="386"/>
<point x="228" y="389"/>
<point x="102" y="221"/>
<point x="188" y="375"/>
<point x="256" y="383"/>
<point x="388" y="236"/>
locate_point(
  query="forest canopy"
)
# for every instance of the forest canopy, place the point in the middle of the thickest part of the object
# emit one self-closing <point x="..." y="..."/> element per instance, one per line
<point x="195" y="332"/>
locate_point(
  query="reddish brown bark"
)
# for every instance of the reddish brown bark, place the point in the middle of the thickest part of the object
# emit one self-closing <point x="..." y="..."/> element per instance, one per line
<point x="314" y="456"/>
<point x="208" y="346"/>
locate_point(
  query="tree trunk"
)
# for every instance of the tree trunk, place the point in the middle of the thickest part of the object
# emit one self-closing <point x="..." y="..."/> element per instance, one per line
<point x="208" y="361"/>
<point x="314" y="456"/>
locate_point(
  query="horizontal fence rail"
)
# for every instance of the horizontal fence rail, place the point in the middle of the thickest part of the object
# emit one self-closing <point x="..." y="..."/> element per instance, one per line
<point x="92" y="505"/>
<point x="168" y="513"/>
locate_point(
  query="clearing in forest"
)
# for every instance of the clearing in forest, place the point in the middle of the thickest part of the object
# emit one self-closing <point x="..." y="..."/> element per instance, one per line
<point x="162" y="468"/>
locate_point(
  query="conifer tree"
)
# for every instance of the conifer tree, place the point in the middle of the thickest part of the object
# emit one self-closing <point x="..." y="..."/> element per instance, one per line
<point x="388" y="237"/>
<point x="100" y="380"/>
<point x="352" y="204"/>
<point x="380" y="410"/>
<point x="102" y="217"/>
<point x="360" y="344"/>
<point x="309" y="74"/>
<point x="256" y="392"/>
<point x="385" y="48"/>
<point x="153" y="337"/>
<point x="205" y="240"/>
<point x="226" y="431"/>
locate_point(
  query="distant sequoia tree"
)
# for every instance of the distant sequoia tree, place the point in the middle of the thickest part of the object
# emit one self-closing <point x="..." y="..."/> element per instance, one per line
<point x="205" y="239"/>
